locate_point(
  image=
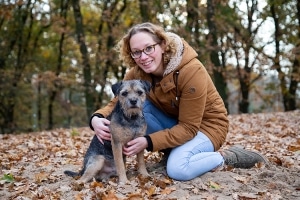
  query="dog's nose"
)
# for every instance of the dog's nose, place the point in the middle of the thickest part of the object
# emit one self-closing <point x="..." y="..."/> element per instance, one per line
<point x="133" y="101"/>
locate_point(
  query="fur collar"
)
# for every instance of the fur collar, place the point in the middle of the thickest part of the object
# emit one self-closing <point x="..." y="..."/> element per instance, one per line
<point x="176" y="59"/>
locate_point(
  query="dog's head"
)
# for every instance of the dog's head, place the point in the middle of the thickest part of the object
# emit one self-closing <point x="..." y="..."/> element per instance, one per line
<point x="131" y="95"/>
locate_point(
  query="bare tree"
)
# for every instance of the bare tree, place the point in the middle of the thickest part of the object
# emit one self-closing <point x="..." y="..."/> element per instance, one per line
<point x="57" y="84"/>
<point x="107" y="37"/>
<point x="244" y="41"/>
<point x="16" y="46"/>
<point x="88" y="90"/>
<point x="295" y="75"/>
<point x="288" y="93"/>
<point x="218" y="69"/>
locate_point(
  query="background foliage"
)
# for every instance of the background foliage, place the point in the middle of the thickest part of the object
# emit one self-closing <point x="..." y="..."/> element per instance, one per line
<point x="57" y="58"/>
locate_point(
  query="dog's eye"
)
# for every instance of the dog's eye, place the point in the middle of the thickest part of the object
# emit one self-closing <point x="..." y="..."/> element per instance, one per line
<point x="125" y="93"/>
<point x="140" y="92"/>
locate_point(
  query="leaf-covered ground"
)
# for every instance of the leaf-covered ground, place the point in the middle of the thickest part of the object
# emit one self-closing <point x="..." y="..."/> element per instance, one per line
<point x="32" y="166"/>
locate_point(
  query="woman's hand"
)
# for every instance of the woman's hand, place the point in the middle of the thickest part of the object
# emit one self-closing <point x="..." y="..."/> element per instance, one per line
<point x="135" y="146"/>
<point x="101" y="128"/>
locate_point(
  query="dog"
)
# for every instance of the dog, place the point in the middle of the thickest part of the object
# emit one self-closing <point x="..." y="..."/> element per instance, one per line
<point x="127" y="122"/>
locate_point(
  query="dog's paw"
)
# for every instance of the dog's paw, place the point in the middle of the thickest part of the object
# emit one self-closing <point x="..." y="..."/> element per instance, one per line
<point x="123" y="180"/>
<point x="143" y="172"/>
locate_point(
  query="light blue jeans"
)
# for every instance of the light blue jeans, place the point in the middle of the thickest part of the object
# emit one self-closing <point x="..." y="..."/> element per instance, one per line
<point x="189" y="160"/>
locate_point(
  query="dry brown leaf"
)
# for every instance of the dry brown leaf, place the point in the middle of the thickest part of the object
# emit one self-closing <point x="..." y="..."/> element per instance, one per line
<point x="42" y="176"/>
<point x="110" y="196"/>
<point x="247" y="196"/>
<point x="168" y="190"/>
<point x="241" y="179"/>
<point x="160" y="183"/>
<point x="293" y="148"/>
<point x="135" y="197"/>
<point x="151" y="190"/>
<point x="95" y="184"/>
<point x="79" y="196"/>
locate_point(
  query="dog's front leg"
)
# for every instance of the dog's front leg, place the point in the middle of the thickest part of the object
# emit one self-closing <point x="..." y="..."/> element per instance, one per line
<point x="120" y="165"/>
<point x="141" y="164"/>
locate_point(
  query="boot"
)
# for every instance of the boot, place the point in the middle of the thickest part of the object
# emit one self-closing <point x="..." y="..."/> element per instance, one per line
<point x="241" y="158"/>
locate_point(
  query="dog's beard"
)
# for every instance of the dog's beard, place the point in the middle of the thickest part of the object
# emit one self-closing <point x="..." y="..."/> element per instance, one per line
<point x="133" y="113"/>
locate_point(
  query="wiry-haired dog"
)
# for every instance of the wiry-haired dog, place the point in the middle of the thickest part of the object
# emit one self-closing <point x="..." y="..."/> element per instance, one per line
<point x="127" y="122"/>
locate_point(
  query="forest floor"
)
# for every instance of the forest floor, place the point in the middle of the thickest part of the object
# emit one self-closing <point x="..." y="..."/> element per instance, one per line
<point x="32" y="166"/>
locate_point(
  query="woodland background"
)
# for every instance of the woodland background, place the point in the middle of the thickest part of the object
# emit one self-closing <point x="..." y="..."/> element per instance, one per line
<point x="57" y="58"/>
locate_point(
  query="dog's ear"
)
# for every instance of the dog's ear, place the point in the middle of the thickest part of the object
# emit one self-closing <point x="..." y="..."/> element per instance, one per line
<point x="147" y="85"/>
<point x="116" y="87"/>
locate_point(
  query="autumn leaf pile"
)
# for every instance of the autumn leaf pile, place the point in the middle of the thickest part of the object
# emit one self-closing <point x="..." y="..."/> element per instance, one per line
<point x="32" y="166"/>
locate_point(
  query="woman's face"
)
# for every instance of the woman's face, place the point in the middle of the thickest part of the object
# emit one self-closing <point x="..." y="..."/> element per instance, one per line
<point x="151" y="63"/>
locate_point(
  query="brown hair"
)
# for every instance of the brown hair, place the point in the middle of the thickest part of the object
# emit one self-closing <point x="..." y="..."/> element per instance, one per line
<point x="157" y="33"/>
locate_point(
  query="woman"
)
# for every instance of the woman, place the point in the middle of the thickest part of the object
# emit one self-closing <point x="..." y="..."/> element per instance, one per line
<point x="184" y="112"/>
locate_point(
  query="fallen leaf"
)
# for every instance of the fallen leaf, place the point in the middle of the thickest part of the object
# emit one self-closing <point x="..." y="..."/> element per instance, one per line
<point x="110" y="196"/>
<point x="241" y="179"/>
<point x="135" y="197"/>
<point x="214" y="185"/>
<point x="42" y="176"/>
<point x="244" y="196"/>
<point x="151" y="191"/>
<point x="168" y="190"/>
<point x="293" y="148"/>
<point x="8" y="178"/>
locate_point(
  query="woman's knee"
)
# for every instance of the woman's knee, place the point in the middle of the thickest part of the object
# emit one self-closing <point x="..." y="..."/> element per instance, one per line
<point x="178" y="168"/>
<point x="178" y="172"/>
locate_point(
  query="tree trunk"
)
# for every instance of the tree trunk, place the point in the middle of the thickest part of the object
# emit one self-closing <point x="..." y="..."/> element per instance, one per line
<point x="50" y="110"/>
<point x="18" y="42"/>
<point x="53" y="93"/>
<point x="192" y="25"/>
<point x="144" y="9"/>
<point x="295" y="76"/>
<point x="88" y="90"/>
<point x="39" y="105"/>
<point x="244" y="84"/>
<point x="244" y="73"/>
<point x="103" y="65"/>
<point x="218" y="70"/>
<point x="288" y="94"/>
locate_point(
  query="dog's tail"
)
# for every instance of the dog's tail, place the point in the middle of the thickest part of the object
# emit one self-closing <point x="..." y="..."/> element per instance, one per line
<point x="72" y="174"/>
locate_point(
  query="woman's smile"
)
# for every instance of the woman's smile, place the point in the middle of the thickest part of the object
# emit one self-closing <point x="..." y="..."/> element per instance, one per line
<point x="146" y="63"/>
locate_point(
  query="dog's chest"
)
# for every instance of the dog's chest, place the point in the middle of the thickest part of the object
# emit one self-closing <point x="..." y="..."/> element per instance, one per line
<point x="127" y="129"/>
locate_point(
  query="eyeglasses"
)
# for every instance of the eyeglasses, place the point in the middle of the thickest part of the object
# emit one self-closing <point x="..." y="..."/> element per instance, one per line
<point x="147" y="50"/>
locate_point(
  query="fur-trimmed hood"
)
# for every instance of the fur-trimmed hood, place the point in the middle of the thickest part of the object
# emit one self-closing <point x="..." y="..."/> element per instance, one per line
<point x="184" y="54"/>
<point x="176" y="59"/>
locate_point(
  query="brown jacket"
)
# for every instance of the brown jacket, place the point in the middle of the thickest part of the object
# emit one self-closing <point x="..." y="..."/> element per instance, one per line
<point x="188" y="93"/>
